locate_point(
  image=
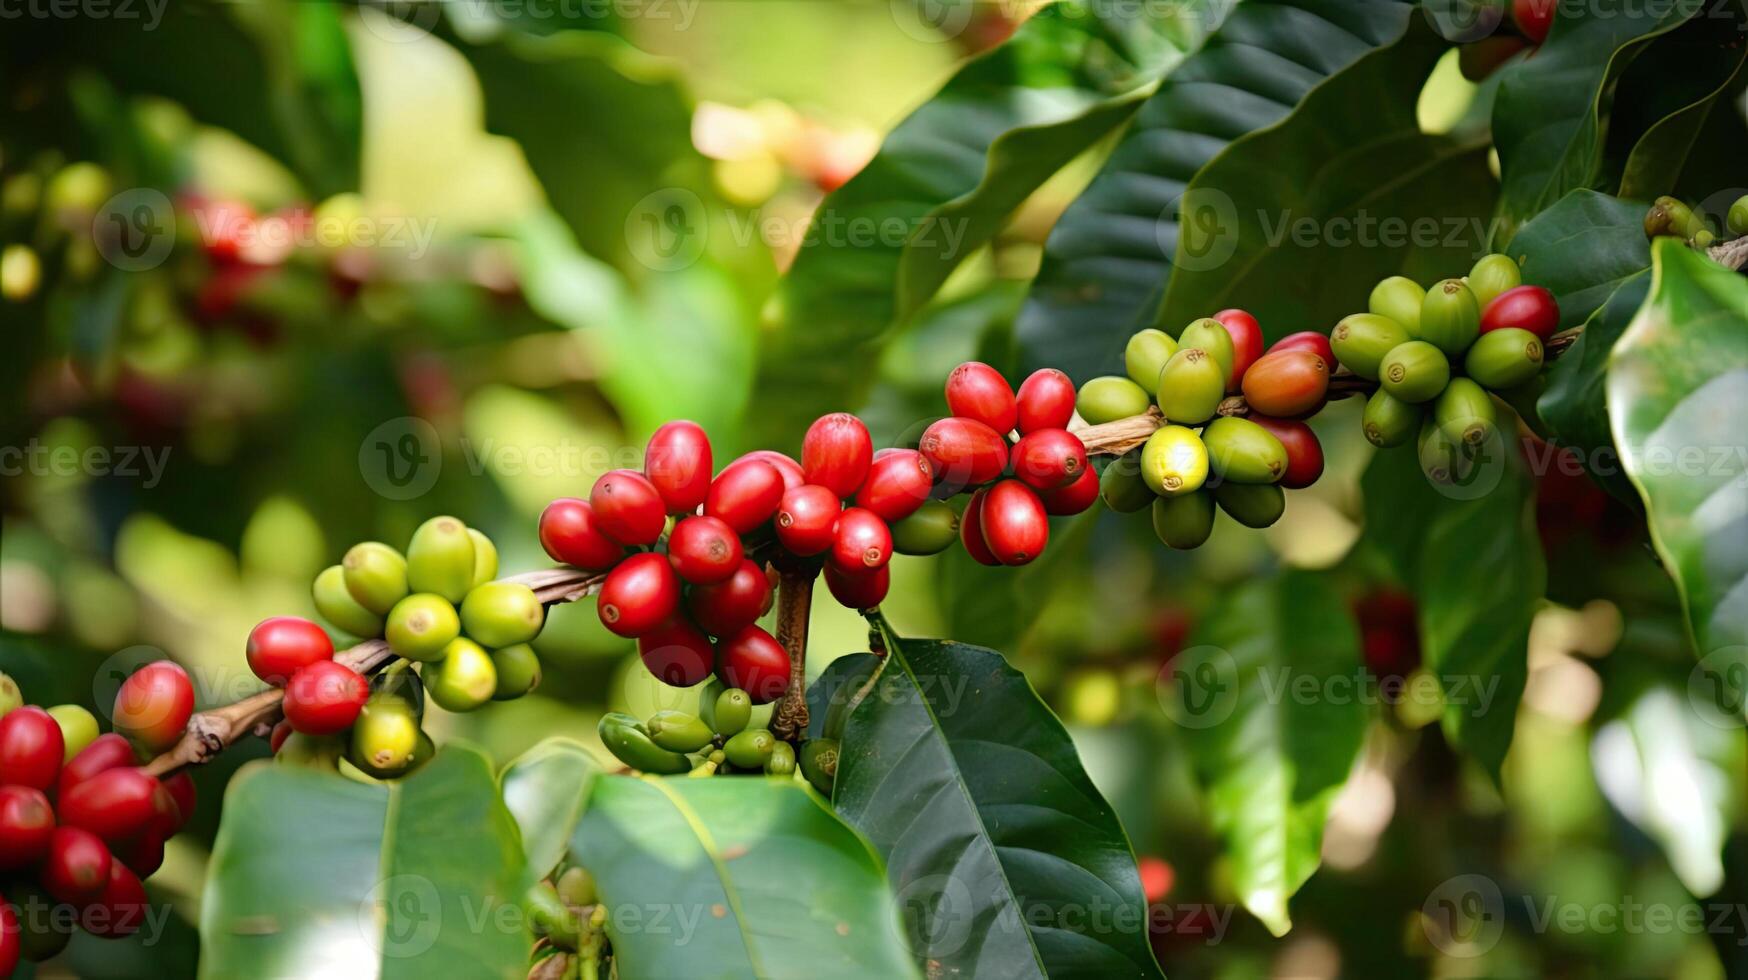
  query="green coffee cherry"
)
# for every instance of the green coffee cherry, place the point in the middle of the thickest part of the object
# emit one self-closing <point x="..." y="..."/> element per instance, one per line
<point x="385" y="737"/>
<point x="782" y="760"/>
<point x="577" y="887"/>
<point x="819" y="763"/>
<point x="750" y="749"/>
<point x="423" y="752"/>
<point x="717" y="757"/>
<point x="1174" y="461"/>
<point x="440" y="559"/>
<point x="1240" y="451"/>
<point x="485" y="558"/>
<point x="705" y="767"/>
<point x="1389" y="421"/>
<point x="376" y="575"/>
<point x="334" y="601"/>
<point x="518" y="669"/>
<point x="78" y="728"/>
<point x="1110" y="398"/>
<point x="1492" y="275"/>
<point x="1209" y="335"/>
<point x="1255" y="505"/>
<point x="550" y="917"/>
<point x="502" y="614"/>
<point x="1465" y="412"/>
<point x="1504" y="359"/>
<point x="1737" y="219"/>
<point x="1444" y="459"/>
<point x="1184" y="522"/>
<point x="1145" y="356"/>
<point x="1398" y="298"/>
<point x="729" y="711"/>
<point x="1191" y="386"/>
<point x="1671" y="216"/>
<point x="1121" y="487"/>
<point x="1361" y="341"/>
<point x="10" y="696"/>
<point x="678" y="731"/>
<point x="321" y="752"/>
<point x="1414" y="372"/>
<point x="421" y="626"/>
<point x="931" y="530"/>
<point x="630" y="744"/>
<point x="463" y="679"/>
<point x="1450" y="318"/>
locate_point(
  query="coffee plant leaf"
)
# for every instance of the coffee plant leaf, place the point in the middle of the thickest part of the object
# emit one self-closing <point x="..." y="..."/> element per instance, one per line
<point x="547" y="789"/>
<point x="1663" y="100"/>
<point x="1583" y="249"/>
<point x="1575" y="403"/>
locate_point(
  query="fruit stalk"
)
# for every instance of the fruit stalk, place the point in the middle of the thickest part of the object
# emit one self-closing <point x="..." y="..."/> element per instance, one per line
<point x="794" y="602"/>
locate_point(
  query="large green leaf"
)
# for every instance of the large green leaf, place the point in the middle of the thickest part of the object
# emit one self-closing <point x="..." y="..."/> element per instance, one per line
<point x="1666" y="95"/>
<point x="313" y="873"/>
<point x="1582" y="249"/>
<point x="736" y="877"/>
<point x="1575" y="403"/>
<point x="547" y="789"/>
<point x="1007" y="861"/>
<point x="1677" y="395"/>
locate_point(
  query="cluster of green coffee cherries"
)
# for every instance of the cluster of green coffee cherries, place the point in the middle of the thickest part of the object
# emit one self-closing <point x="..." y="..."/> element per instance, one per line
<point x="1672" y="217"/>
<point x="719" y="739"/>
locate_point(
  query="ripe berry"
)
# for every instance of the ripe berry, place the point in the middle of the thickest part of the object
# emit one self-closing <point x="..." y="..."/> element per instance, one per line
<point x="639" y="595"/>
<point x="752" y="660"/>
<point x="1534" y="18"/>
<point x="703" y="550"/>
<point x="862" y="540"/>
<point x="971" y="530"/>
<point x="570" y="533"/>
<point x="898" y="483"/>
<point x="725" y="607"/>
<point x="1049" y="459"/>
<point x="858" y="589"/>
<point x="120" y="907"/>
<point x="279" y="646"/>
<point x="143" y="855"/>
<point x="791" y="470"/>
<point x="806" y="518"/>
<point x="677" y="463"/>
<point x="181" y="790"/>
<point x="836" y="453"/>
<point x="628" y="508"/>
<point x="1014" y="523"/>
<point x="677" y="653"/>
<point x="1074" y="498"/>
<point x="9" y="938"/>
<point x="31" y="748"/>
<point x="76" y="867"/>
<point x="325" y="698"/>
<point x="1529" y="308"/>
<point x="745" y="494"/>
<point x="964" y="452"/>
<point x="1246" y="336"/>
<point x="153" y="706"/>
<point x="1309" y="340"/>
<point x="977" y="391"/>
<point x="1045" y="401"/>
<point x="107" y="752"/>
<point x="115" y="804"/>
<point x="1287" y="384"/>
<point x="1304" y="452"/>
<point x="27" y="821"/>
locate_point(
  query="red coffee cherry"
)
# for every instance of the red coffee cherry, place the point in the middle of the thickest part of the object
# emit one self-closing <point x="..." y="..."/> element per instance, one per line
<point x="898" y="483"/>
<point x="752" y="660"/>
<point x="279" y="646"/>
<point x="791" y="470"/>
<point x="806" y="518"/>
<point x="1046" y="401"/>
<point x="1309" y="340"/>
<point x="9" y="941"/>
<point x="1246" y="336"/>
<point x="570" y="533"/>
<point x="107" y="752"/>
<point x="120" y="907"/>
<point x="281" y="732"/>
<point x="325" y="698"/>
<point x="862" y="540"/>
<point x="115" y="804"/>
<point x="1014" y="523"/>
<point x="1534" y="18"/>
<point x="725" y="607"/>
<point x="76" y="867"/>
<point x="153" y="706"/>
<point x="977" y="391"/>
<point x="677" y="653"/>
<point x="1049" y="459"/>
<point x="1074" y="498"/>
<point x="27" y="821"/>
<point x="1304" y="452"/>
<point x="180" y="787"/>
<point x="704" y="550"/>
<point x="1529" y="308"/>
<point x="627" y="508"/>
<point x="858" y="589"/>
<point x="836" y="453"/>
<point x="971" y="530"/>
<point x="964" y="452"/>
<point x="143" y="855"/>
<point x="745" y="495"/>
<point x="1287" y="384"/>
<point x="30" y="748"/>
<point x="638" y="595"/>
<point x="677" y="463"/>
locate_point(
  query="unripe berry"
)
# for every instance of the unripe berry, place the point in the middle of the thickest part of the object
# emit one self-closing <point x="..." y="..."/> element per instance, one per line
<point x="1121" y="486"/>
<point x="1450" y="319"/>
<point x="502" y="614"/>
<point x="280" y="646"/>
<point x="119" y="909"/>
<point x="1246" y="336"/>
<point x="1049" y="459"/>
<point x="1529" y="308"/>
<point x="1174" y="461"/>
<point x="638" y="595"/>
<point x="153" y="706"/>
<point x="325" y="698"/>
<point x="1014" y="523"/>
<point x="1191" y="386"/>
<point x="518" y="670"/>
<point x="1492" y="276"/>
<point x="861" y="540"/>
<point x="964" y="452"/>
<point x="678" y="464"/>
<point x="1240" y="451"/>
<point x="1287" y="384"/>
<point x="791" y="470"/>
<point x="977" y="391"/>
<point x="1255" y="505"/>
<point x="1414" y="372"/>
<point x="334" y="601"/>
<point x="858" y="589"/>
<point x="745" y="494"/>
<point x="1304" y="452"/>
<point x="10" y="696"/>
<point x="107" y="752"/>
<point x="1465" y="412"/>
<point x="116" y="804"/>
<point x="898" y="483"/>
<point x="929" y="531"/>
<point x="1309" y="340"/>
<point x="1045" y="401"/>
<point x="1145" y="355"/>
<point x="1209" y="334"/>
<point x="76" y="867"/>
<point x="629" y="509"/>
<point x="806" y="520"/>
<point x="440" y="559"/>
<point x="1389" y="421"/>
<point x="704" y="550"/>
<point x="27" y="821"/>
<point x="725" y="607"/>
<point x="464" y="679"/>
<point x="420" y="626"/>
<point x="752" y="660"/>
<point x="1361" y="341"/>
<point x="1399" y="298"/>
<point x="836" y="453"/>
<point x="78" y="728"/>
<point x="1110" y="398"/>
<point x="1503" y="359"/>
<point x="570" y="533"/>
<point x="376" y="575"/>
<point x="485" y="558"/>
<point x="1185" y="522"/>
<point x="971" y="530"/>
<point x="1074" y="498"/>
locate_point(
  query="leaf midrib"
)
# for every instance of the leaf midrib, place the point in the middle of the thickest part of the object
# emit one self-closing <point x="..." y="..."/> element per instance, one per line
<point x="708" y="844"/>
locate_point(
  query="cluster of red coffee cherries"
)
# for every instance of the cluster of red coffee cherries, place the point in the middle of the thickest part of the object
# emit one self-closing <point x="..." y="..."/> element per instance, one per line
<point x="322" y="695"/>
<point x="80" y="829"/>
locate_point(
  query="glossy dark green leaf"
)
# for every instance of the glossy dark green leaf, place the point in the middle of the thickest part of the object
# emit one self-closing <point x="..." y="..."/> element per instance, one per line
<point x="1582" y="249"/>
<point x="1575" y="403"/>
<point x="839" y="687"/>
<point x="547" y="789"/>
<point x="736" y="877"/>
<point x="1006" y="860"/>
<point x="313" y="873"/>
<point x="1666" y="95"/>
<point x="1270" y="750"/>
